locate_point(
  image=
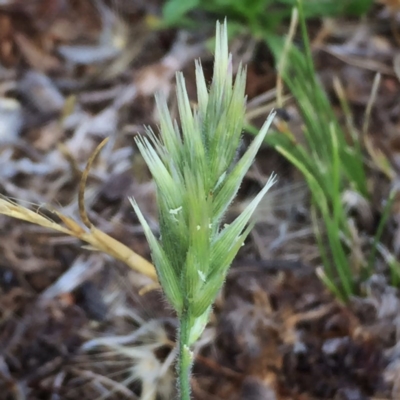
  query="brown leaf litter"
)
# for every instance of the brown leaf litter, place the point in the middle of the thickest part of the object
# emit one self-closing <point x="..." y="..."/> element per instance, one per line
<point x="75" y="322"/>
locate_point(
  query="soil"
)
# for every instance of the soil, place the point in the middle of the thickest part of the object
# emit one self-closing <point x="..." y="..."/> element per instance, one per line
<point x="76" y="323"/>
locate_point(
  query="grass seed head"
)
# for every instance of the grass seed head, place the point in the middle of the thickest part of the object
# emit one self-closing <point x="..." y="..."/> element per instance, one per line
<point x="197" y="173"/>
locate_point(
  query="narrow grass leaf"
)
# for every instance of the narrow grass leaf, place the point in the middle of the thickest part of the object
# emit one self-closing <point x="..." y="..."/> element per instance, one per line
<point x="166" y="273"/>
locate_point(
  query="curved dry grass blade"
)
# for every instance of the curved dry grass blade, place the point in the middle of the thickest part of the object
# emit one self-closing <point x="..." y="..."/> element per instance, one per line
<point x="96" y="238"/>
<point x="82" y="184"/>
<point x="101" y="240"/>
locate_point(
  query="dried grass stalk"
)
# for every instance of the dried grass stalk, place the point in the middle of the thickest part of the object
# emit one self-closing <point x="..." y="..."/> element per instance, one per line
<point x="93" y="236"/>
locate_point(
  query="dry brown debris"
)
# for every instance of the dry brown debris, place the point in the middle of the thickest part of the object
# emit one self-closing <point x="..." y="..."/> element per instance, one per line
<point x="75" y="323"/>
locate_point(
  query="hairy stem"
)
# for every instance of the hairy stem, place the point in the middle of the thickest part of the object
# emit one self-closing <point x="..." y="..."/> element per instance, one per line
<point x="185" y="360"/>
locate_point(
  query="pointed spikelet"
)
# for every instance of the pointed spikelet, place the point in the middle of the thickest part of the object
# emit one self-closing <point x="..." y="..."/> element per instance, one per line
<point x="197" y="176"/>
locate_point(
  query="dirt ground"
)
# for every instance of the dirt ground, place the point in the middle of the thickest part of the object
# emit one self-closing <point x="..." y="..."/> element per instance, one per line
<point x="76" y="323"/>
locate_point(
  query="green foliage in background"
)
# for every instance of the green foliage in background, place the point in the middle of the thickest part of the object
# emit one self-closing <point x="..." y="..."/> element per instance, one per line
<point x="330" y="161"/>
<point x="259" y="16"/>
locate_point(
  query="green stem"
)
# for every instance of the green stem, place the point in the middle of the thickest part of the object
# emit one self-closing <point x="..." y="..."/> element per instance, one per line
<point x="185" y="360"/>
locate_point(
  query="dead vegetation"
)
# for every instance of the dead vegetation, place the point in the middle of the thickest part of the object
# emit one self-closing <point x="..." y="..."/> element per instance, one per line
<point x="77" y="323"/>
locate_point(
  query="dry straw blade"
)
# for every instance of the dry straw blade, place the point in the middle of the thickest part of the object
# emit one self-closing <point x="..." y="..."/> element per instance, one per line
<point x="96" y="238"/>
